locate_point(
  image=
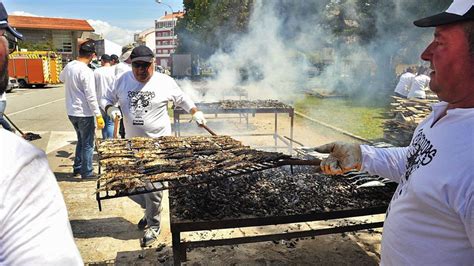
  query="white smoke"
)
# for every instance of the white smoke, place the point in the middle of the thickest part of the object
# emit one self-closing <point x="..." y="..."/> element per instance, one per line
<point x="280" y="67"/>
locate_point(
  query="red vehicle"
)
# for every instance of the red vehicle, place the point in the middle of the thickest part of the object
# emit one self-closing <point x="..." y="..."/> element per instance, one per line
<point x="34" y="68"/>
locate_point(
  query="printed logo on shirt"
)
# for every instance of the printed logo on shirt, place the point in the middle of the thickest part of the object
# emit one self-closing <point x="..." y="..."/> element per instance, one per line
<point x="140" y="102"/>
<point x="137" y="122"/>
<point x="420" y="153"/>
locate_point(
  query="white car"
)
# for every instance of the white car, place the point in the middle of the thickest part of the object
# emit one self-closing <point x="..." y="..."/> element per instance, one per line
<point x="12" y="84"/>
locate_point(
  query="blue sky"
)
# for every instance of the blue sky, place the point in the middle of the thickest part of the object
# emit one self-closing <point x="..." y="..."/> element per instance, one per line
<point x="116" y="19"/>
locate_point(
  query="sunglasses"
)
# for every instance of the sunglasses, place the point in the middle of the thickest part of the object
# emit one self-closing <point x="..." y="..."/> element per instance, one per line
<point x="145" y="65"/>
<point x="12" y="42"/>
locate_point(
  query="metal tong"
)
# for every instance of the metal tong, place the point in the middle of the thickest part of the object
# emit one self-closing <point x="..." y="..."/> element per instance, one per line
<point x="207" y="129"/>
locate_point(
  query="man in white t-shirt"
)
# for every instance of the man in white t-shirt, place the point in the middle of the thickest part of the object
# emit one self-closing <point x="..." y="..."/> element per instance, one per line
<point x="82" y="107"/>
<point x="430" y="220"/>
<point x="419" y="85"/>
<point x="34" y="225"/>
<point x="104" y="78"/>
<point x="143" y="96"/>
<point x="404" y="84"/>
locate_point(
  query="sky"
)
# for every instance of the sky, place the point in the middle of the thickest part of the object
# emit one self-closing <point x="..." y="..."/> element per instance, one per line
<point x="117" y="20"/>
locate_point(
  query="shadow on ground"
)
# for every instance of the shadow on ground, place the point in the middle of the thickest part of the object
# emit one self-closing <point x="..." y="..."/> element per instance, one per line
<point x="115" y="227"/>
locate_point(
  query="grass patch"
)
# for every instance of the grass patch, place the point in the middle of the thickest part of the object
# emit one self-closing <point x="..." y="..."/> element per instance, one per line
<point x="362" y="118"/>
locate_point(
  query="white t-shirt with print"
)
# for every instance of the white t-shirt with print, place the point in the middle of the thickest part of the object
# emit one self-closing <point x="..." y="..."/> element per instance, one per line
<point x="79" y="85"/>
<point x="145" y="106"/>
<point x="430" y="220"/>
<point x="34" y="225"/>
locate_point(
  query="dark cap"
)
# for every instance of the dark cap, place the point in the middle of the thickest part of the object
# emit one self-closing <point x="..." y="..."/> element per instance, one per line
<point x="142" y="53"/>
<point x="4" y="22"/>
<point x="458" y="11"/>
<point x="88" y="46"/>
<point x="106" y="58"/>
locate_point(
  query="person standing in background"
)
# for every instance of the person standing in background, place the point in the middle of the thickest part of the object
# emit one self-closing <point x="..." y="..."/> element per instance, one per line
<point x="34" y="225"/>
<point x="82" y="107"/>
<point x="404" y="84"/>
<point x="104" y="78"/>
<point x="114" y="59"/>
<point x="125" y="62"/>
<point x="420" y="85"/>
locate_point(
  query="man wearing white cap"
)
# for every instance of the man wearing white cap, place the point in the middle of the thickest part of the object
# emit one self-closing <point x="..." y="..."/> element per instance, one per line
<point x="143" y="96"/>
<point x="125" y="61"/>
<point x="430" y="220"/>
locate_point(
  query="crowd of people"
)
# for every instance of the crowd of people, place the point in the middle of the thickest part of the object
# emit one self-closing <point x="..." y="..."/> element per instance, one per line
<point x="413" y="83"/>
<point x="131" y="91"/>
<point x="430" y="220"/>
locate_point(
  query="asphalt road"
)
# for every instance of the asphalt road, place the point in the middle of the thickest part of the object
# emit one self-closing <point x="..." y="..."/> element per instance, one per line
<point x="41" y="111"/>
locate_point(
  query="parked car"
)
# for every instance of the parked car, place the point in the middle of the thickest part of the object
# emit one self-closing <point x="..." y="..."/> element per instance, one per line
<point x="12" y="84"/>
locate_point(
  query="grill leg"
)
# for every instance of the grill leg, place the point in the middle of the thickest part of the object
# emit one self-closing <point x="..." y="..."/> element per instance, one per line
<point x="292" y="116"/>
<point x="276" y="131"/>
<point x="179" y="251"/>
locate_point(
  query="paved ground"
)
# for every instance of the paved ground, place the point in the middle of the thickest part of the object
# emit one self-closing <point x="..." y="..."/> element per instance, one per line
<point x="111" y="237"/>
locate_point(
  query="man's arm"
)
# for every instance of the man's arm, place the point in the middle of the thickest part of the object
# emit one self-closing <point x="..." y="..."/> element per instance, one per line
<point x="88" y="81"/>
<point x="385" y="162"/>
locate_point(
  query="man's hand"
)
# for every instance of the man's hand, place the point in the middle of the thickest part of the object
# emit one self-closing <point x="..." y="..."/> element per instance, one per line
<point x="113" y="112"/>
<point x="100" y="122"/>
<point x="199" y="118"/>
<point x="342" y="158"/>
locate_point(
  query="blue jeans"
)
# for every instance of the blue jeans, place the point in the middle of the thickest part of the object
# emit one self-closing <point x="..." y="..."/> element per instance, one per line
<point x="3" y="122"/>
<point x="85" y="127"/>
<point x="108" y="130"/>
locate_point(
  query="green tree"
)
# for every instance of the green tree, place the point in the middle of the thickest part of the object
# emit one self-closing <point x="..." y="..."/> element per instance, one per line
<point x="210" y="24"/>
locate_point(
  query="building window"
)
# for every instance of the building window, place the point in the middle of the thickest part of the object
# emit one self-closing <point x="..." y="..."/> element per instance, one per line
<point x="158" y="34"/>
<point x="62" y="41"/>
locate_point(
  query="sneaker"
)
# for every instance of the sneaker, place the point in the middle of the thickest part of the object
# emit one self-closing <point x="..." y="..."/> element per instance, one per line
<point x="142" y="223"/>
<point x="150" y="236"/>
<point x="91" y="177"/>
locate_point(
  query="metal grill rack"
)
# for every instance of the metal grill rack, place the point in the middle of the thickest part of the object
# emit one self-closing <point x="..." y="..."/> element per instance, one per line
<point x="216" y="109"/>
<point x="154" y="186"/>
<point x="181" y="225"/>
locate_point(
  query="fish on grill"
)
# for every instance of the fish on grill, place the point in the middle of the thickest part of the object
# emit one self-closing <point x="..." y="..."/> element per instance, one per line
<point x="171" y="158"/>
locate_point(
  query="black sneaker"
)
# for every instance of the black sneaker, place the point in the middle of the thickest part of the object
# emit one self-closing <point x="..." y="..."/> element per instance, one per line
<point x="150" y="236"/>
<point x="142" y="223"/>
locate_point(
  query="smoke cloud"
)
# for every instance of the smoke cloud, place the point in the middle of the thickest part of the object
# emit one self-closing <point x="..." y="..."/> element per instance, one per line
<point x="290" y="48"/>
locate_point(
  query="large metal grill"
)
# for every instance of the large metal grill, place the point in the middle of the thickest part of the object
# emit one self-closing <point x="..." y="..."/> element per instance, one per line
<point x="244" y="108"/>
<point x="271" y="197"/>
<point x="140" y="165"/>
